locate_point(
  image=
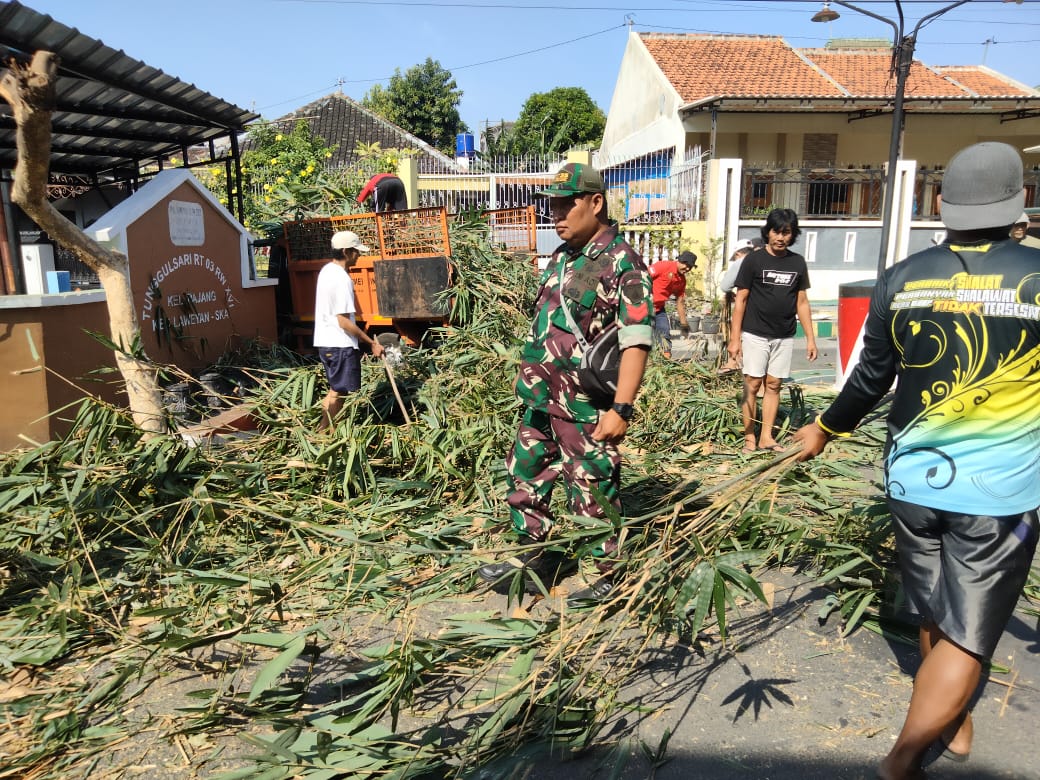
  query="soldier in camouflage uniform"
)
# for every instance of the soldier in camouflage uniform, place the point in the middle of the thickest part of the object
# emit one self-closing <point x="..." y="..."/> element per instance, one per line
<point x="562" y="433"/>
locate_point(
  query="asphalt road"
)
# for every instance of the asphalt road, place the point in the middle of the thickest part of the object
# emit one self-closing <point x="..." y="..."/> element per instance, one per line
<point x="787" y="698"/>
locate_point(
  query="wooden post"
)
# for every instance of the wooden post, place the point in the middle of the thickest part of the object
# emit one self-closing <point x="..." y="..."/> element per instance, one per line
<point x="8" y="283"/>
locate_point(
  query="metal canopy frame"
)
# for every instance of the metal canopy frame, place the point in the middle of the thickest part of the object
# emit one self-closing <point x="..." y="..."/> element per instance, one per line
<point x="116" y="118"/>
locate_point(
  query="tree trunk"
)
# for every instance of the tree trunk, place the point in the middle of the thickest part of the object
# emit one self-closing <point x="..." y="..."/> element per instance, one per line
<point x="30" y="92"/>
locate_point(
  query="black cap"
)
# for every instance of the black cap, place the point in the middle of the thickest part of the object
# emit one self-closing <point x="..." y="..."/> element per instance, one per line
<point x="689" y="259"/>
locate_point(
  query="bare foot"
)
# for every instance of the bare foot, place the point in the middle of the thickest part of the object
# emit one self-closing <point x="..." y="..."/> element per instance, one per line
<point x="957" y="737"/>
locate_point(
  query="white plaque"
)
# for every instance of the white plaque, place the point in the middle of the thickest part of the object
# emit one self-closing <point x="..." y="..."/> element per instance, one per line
<point x="187" y="226"/>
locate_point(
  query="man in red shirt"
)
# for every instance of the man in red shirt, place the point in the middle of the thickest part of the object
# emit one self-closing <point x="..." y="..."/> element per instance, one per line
<point x="387" y="193"/>
<point x="669" y="278"/>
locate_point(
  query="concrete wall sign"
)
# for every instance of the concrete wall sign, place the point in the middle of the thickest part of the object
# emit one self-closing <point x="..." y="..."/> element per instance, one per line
<point x="203" y="293"/>
<point x="189" y="272"/>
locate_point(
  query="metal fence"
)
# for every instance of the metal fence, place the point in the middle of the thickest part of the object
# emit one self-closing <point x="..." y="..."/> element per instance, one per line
<point x="813" y="192"/>
<point x="480" y="164"/>
<point x="456" y="192"/>
<point x="652" y="189"/>
<point x="656" y="188"/>
<point x="844" y="193"/>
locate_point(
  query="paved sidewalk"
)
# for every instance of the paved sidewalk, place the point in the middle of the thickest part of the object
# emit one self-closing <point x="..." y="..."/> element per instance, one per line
<point x="822" y="372"/>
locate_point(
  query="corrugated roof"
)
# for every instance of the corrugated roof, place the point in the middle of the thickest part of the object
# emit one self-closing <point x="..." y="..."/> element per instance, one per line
<point x="755" y="66"/>
<point x="112" y="112"/>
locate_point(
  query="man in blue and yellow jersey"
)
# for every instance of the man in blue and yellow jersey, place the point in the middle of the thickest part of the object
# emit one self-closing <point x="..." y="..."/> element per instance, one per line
<point x="959" y="325"/>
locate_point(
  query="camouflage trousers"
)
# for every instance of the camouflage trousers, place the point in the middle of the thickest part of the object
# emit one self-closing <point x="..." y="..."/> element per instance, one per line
<point x="548" y="448"/>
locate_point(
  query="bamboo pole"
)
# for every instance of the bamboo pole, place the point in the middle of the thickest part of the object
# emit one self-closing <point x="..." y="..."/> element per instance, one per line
<point x="397" y="393"/>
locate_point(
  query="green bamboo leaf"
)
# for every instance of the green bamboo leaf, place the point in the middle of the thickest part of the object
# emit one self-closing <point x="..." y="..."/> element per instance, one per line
<point x="742" y="579"/>
<point x="703" y="576"/>
<point x="865" y="600"/>
<point x="719" y="595"/>
<point x="276" y="667"/>
<point x="278" y="641"/>
<point x="841" y="569"/>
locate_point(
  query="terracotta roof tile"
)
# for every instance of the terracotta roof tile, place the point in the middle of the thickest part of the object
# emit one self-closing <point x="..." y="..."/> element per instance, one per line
<point x="701" y="66"/>
<point x="759" y="66"/>
<point x="983" y="81"/>
<point x="867" y="73"/>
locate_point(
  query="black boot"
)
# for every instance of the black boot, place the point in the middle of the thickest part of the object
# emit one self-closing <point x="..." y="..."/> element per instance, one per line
<point x="538" y="566"/>
<point x="599" y="591"/>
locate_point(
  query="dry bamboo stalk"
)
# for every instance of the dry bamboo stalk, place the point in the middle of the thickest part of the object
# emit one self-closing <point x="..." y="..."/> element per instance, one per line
<point x="397" y="393"/>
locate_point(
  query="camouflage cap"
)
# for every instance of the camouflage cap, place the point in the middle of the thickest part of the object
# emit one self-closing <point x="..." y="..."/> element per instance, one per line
<point x="574" y="179"/>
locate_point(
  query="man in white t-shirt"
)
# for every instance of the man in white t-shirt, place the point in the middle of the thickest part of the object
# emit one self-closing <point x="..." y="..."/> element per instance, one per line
<point x="337" y="336"/>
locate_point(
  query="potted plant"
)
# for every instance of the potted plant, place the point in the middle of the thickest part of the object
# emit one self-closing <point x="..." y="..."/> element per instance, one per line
<point x="712" y="249"/>
<point x="711" y="320"/>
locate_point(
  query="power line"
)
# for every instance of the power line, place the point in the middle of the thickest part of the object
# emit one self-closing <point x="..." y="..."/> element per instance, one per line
<point x="731" y="6"/>
<point x="541" y="48"/>
<point x="628" y="8"/>
<point x="568" y="42"/>
<point x="341" y="81"/>
<point x="323" y="91"/>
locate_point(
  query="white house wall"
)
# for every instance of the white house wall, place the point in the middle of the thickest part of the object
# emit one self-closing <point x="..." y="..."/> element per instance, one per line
<point x="661" y="134"/>
<point x="930" y="139"/>
<point x="644" y="110"/>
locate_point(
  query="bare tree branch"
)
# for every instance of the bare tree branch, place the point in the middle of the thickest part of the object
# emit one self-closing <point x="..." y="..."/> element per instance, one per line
<point x="30" y="92"/>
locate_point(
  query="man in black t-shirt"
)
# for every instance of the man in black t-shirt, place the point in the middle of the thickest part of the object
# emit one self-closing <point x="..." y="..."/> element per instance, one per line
<point x="770" y="300"/>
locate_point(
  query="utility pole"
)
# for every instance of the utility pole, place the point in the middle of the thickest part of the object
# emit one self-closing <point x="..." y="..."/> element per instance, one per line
<point x="903" y="45"/>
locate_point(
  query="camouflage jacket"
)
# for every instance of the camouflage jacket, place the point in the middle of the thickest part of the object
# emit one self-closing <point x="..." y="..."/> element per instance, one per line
<point x="604" y="282"/>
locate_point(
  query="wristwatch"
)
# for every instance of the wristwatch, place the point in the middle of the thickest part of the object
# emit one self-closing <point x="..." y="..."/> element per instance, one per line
<point x="624" y="411"/>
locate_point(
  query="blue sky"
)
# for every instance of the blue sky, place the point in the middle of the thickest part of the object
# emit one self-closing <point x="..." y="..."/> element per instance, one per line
<point x="273" y="56"/>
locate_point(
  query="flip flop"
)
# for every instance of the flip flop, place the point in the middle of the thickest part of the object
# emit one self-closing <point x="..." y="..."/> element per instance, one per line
<point x="960" y="758"/>
<point x="772" y="448"/>
<point x="953" y="755"/>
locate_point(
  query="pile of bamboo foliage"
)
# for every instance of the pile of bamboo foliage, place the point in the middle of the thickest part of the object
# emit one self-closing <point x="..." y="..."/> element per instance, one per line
<point x="322" y="585"/>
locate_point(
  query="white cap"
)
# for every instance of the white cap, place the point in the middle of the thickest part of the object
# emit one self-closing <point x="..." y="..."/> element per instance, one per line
<point x="344" y="239"/>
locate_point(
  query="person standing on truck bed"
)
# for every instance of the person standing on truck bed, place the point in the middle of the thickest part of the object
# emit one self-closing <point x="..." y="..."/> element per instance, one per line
<point x="387" y="193"/>
<point x="337" y="336"/>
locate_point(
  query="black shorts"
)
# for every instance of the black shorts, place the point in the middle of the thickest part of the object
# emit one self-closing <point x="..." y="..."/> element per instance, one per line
<point x="964" y="572"/>
<point x="342" y="367"/>
<point x="390" y="195"/>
